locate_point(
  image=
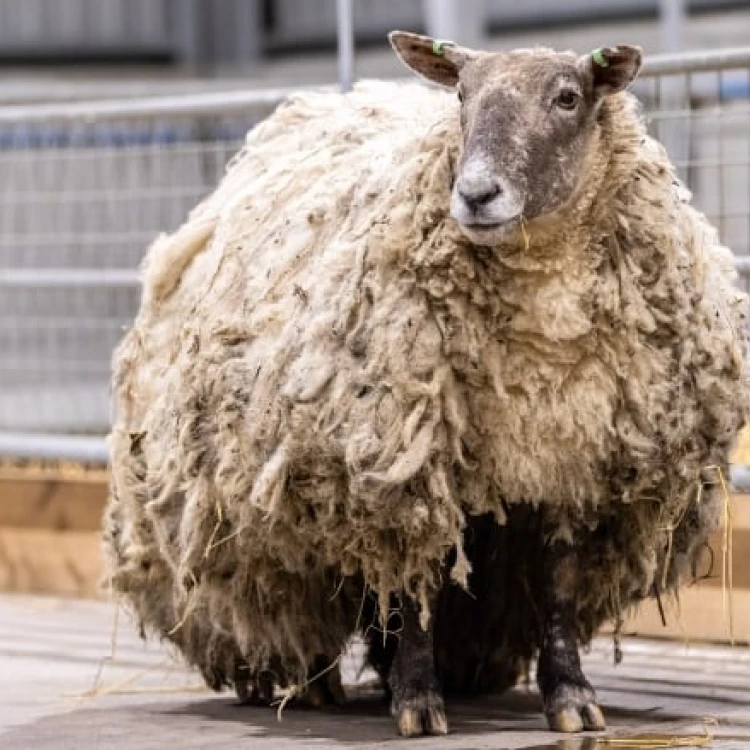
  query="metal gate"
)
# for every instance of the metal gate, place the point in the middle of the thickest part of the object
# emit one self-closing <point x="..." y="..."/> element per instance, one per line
<point x="84" y="188"/>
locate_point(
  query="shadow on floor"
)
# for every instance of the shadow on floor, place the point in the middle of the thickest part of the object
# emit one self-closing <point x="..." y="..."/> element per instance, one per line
<point x="166" y="723"/>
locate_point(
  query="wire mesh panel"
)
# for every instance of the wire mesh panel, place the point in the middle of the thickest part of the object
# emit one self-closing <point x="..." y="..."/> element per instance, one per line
<point x="79" y="204"/>
<point x="700" y="110"/>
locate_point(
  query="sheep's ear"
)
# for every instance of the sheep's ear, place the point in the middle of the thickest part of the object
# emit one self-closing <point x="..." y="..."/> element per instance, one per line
<point x="437" y="61"/>
<point x="612" y="68"/>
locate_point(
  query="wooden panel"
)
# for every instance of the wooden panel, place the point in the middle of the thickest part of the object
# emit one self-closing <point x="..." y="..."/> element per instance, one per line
<point x="740" y="512"/>
<point x="699" y="616"/>
<point x="49" y="531"/>
<point x="42" y="561"/>
<point x="52" y="504"/>
<point x="740" y="559"/>
<point x="702" y="612"/>
<point x="742" y="449"/>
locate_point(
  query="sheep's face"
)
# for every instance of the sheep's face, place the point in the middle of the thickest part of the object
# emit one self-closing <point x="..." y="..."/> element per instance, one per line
<point x="529" y="119"/>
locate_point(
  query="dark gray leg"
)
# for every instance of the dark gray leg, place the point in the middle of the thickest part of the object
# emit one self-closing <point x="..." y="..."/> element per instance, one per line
<point x="253" y="689"/>
<point x="417" y="702"/>
<point x="325" y="688"/>
<point x="569" y="700"/>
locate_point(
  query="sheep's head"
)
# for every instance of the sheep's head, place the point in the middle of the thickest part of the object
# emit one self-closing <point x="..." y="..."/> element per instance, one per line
<point x="528" y="118"/>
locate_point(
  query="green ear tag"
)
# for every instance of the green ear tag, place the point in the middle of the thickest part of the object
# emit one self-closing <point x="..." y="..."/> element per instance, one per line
<point x="598" y="57"/>
<point x="438" y="46"/>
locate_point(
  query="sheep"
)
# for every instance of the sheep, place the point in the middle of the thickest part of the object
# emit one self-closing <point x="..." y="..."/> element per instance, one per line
<point x="458" y="373"/>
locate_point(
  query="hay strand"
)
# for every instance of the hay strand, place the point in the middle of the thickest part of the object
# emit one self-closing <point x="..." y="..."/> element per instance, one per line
<point x="219" y="521"/>
<point x="727" y="555"/>
<point x="122" y="687"/>
<point x="295" y="690"/>
<point x="108" y="658"/>
<point x="643" y="741"/>
<point x="525" y="233"/>
<point x="189" y="608"/>
<point x="658" y="740"/>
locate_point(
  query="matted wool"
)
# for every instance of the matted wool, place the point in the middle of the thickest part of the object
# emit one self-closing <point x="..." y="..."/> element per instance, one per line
<point x="326" y="379"/>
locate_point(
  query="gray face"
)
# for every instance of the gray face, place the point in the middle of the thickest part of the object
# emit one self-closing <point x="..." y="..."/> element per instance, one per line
<point x="526" y="123"/>
<point x="528" y="119"/>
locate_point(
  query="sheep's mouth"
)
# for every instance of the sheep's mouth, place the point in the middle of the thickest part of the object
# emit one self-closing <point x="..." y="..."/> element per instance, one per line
<point x="495" y="230"/>
<point x="491" y="226"/>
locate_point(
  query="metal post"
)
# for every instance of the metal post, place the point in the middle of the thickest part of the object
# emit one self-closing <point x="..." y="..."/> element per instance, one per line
<point x="248" y="35"/>
<point x="673" y="92"/>
<point x="672" y="22"/>
<point x="185" y="25"/>
<point x="460" y="20"/>
<point x="345" y="30"/>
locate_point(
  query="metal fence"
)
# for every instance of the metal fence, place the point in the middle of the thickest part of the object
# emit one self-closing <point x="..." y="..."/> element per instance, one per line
<point x="699" y="107"/>
<point x="84" y="188"/>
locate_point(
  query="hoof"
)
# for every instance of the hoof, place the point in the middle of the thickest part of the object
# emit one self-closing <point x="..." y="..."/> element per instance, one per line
<point x="572" y="708"/>
<point x="254" y="690"/>
<point x="420" y="715"/>
<point x="322" y="693"/>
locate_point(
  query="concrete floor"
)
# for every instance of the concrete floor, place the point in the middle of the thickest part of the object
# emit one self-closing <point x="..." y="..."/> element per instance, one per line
<point x="53" y="652"/>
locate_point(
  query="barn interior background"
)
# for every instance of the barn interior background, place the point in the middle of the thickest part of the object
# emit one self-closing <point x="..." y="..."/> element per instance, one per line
<point x="117" y="116"/>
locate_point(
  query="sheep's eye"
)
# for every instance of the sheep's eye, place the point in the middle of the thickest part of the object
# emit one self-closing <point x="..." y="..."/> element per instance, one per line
<point x="567" y="99"/>
<point x="460" y="94"/>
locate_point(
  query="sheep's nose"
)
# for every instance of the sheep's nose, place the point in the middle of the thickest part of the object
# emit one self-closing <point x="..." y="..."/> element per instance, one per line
<point x="478" y="193"/>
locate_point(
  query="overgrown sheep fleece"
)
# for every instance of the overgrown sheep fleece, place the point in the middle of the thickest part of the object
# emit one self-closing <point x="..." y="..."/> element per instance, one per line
<point x="326" y="379"/>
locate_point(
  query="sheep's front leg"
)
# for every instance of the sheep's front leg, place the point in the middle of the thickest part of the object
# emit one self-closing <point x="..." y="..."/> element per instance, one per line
<point x="417" y="701"/>
<point x="569" y="700"/>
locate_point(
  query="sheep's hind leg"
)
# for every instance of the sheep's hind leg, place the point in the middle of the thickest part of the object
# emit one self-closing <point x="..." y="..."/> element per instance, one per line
<point x="253" y="689"/>
<point x="417" y="701"/>
<point x="323" y="689"/>
<point x="569" y="700"/>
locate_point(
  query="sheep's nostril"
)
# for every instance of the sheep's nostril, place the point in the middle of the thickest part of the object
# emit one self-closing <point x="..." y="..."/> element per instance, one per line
<point x="475" y="199"/>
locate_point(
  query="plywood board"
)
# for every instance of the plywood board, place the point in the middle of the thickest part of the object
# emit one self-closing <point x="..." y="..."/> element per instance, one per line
<point x="702" y="614"/>
<point x="703" y="610"/>
<point x="42" y="561"/>
<point x="52" y="504"/>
